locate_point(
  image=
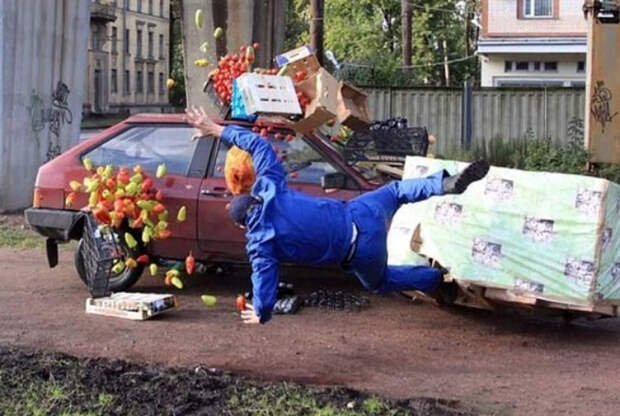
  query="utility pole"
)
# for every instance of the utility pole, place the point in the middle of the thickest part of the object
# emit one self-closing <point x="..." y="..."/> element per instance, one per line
<point x="316" y="28"/>
<point x="406" y="23"/>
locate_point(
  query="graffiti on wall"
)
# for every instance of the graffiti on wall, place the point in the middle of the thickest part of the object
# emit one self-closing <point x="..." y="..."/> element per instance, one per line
<point x="56" y="115"/>
<point x="601" y="105"/>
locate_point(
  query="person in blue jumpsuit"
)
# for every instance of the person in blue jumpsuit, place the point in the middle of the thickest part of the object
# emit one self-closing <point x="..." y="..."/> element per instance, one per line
<point x="284" y="225"/>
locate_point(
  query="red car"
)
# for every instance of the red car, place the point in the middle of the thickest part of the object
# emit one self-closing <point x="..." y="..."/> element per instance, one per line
<point x="195" y="179"/>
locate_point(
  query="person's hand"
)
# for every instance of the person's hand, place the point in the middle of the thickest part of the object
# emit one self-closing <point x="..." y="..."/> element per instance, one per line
<point x="248" y="316"/>
<point x="198" y="118"/>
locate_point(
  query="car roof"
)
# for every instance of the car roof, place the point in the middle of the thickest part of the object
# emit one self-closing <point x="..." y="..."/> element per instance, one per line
<point x="179" y="118"/>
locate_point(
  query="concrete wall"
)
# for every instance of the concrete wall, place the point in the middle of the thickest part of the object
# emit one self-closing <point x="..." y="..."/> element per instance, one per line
<point x="43" y="63"/>
<point x="496" y="112"/>
<point x="244" y="22"/>
<point x="500" y="18"/>
<point x="493" y="69"/>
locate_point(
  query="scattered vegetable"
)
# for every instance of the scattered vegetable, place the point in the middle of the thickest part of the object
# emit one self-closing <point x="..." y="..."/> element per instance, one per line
<point x="176" y="282"/>
<point x="153" y="269"/>
<point x="190" y="264"/>
<point x="161" y="171"/>
<point x="208" y="300"/>
<point x="199" y="18"/>
<point x="182" y="214"/>
<point x="218" y="33"/>
<point x="240" y="303"/>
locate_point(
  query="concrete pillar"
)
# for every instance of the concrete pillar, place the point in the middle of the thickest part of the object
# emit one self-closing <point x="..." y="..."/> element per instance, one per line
<point x="243" y="21"/>
<point x="43" y="61"/>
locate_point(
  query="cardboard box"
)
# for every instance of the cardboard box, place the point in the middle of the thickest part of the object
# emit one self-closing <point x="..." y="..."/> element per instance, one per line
<point x="322" y="89"/>
<point x="300" y="59"/>
<point x="352" y="107"/>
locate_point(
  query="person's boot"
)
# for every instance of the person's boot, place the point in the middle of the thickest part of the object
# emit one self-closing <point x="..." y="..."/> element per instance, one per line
<point x="457" y="184"/>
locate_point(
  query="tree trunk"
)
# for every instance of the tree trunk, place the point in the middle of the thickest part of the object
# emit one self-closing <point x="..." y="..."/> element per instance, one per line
<point x="316" y="28"/>
<point x="446" y="65"/>
<point x="406" y="23"/>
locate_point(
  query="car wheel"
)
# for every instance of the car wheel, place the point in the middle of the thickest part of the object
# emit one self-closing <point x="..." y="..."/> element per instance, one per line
<point x="118" y="282"/>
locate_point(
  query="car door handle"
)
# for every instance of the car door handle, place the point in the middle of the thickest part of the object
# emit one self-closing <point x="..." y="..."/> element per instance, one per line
<point x="216" y="192"/>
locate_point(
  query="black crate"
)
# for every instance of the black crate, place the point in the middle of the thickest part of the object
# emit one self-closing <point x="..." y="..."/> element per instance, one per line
<point x="223" y="109"/>
<point x="392" y="145"/>
<point x="99" y="252"/>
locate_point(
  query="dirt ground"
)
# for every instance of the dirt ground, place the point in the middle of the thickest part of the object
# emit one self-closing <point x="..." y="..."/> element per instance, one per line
<point x="506" y="363"/>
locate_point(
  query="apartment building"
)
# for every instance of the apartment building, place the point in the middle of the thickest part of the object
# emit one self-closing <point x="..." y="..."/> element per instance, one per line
<point x="533" y="43"/>
<point x="128" y="57"/>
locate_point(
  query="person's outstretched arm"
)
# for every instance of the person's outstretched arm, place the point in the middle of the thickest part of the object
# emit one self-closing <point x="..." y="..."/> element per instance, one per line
<point x="264" y="158"/>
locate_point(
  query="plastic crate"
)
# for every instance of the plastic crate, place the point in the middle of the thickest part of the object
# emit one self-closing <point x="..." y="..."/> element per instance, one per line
<point x="222" y="109"/>
<point x="392" y="145"/>
<point x="268" y="94"/>
<point x="98" y="255"/>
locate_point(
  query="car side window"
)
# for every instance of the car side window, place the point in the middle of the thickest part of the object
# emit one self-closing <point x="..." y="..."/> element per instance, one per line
<point x="148" y="146"/>
<point x="299" y="159"/>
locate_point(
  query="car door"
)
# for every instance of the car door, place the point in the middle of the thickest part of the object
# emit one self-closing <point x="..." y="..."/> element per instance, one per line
<point x="150" y="145"/>
<point x="305" y="165"/>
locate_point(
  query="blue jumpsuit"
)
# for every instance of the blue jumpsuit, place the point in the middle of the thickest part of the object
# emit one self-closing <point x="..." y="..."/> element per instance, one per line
<point x="291" y="226"/>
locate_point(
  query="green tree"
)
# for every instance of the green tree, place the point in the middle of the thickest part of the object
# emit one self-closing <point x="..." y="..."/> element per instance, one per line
<point x="365" y="37"/>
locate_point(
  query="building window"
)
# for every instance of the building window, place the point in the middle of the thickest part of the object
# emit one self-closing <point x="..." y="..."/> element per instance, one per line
<point x="161" y="47"/>
<point x="114" y="81"/>
<point x="581" y="66"/>
<point x="127" y="83"/>
<point x="114" y="39"/>
<point x="150" y="44"/>
<point x="551" y="66"/>
<point x="508" y="66"/>
<point x="94" y="44"/>
<point x="139" y="6"/>
<point x="139" y="82"/>
<point x="161" y="8"/>
<point x="522" y="66"/>
<point x="150" y="6"/>
<point x="139" y="44"/>
<point x="151" y="82"/>
<point x="162" y="85"/>
<point x="537" y="66"/>
<point x="537" y="8"/>
<point x="126" y="42"/>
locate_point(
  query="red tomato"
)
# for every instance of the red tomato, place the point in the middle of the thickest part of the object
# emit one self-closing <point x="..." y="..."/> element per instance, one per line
<point x="278" y="136"/>
<point x="255" y="45"/>
<point x="263" y="132"/>
<point x="290" y="137"/>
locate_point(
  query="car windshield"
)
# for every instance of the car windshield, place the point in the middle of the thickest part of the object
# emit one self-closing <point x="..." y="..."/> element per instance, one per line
<point x="148" y="146"/>
<point x="299" y="159"/>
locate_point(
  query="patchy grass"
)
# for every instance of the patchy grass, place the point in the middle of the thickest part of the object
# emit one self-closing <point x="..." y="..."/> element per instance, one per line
<point x="22" y="239"/>
<point x="34" y="383"/>
<point x="16" y="234"/>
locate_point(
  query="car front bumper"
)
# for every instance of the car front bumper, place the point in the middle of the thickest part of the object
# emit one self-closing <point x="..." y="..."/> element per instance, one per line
<point x="55" y="224"/>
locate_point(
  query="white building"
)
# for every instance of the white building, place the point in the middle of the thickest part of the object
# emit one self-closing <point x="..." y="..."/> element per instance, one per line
<point x="533" y="42"/>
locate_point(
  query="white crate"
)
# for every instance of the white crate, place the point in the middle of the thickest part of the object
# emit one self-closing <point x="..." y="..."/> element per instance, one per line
<point x="135" y="306"/>
<point x="268" y="94"/>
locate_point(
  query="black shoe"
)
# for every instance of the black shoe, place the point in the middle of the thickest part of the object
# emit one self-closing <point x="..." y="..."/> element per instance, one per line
<point x="457" y="184"/>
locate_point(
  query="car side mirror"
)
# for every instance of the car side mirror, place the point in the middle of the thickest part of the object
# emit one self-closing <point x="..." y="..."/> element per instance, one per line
<point x="336" y="180"/>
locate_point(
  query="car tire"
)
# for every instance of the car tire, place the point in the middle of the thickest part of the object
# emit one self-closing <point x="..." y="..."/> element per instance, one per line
<point x="123" y="281"/>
